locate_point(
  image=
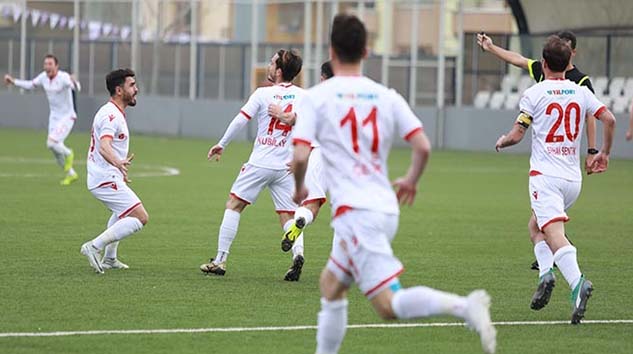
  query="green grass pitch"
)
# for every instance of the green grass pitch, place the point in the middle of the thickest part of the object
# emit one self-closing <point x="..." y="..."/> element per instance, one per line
<point x="467" y="230"/>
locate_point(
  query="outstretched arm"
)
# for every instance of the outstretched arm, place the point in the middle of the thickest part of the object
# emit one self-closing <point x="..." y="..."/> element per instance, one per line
<point x="238" y="123"/>
<point x="516" y="134"/>
<point x="508" y="56"/>
<point x="24" y="84"/>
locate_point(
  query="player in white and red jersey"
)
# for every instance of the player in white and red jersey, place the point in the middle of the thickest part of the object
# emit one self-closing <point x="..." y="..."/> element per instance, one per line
<point x="108" y="162"/>
<point x="555" y="109"/>
<point x="354" y="120"/>
<point x="268" y="163"/>
<point x="315" y="179"/>
<point x="58" y="86"/>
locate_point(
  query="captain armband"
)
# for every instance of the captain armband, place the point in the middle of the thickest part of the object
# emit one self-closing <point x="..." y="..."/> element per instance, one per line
<point x="524" y="120"/>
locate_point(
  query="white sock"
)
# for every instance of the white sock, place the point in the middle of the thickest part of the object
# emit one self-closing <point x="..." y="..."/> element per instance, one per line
<point x="72" y="172"/>
<point x="111" y="249"/>
<point x="120" y="230"/>
<point x="544" y="257"/>
<point x="567" y="263"/>
<point x="421" y="301"/>
<point x="297" y="248"/>
<point x="60" y="151"/>
<point x="228" y="230"/>
<point x="331" y="326"/>
<point x="303" y="212"/>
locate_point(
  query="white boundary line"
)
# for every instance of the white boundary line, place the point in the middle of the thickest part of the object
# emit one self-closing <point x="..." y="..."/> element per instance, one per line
<point x="291" y="328"/>
<point x="163" y="171"/>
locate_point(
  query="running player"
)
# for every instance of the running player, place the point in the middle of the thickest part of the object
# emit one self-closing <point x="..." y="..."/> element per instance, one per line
<point x="535" y="68"/>
<point x="59" y="87"/>
<point x="554" y="108"/>
<point x="108" y="163"/>
<point x="267" y="165"/>
<point x="354" y="120"/>
<point x="315" y="178"/>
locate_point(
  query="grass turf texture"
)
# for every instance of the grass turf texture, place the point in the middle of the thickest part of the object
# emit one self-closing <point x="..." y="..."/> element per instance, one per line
<point x="467" y="230"/>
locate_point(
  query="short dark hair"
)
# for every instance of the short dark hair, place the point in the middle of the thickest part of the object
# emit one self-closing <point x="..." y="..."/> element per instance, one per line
<point x="556" y="53"/>
<point x="326" y="70"/>
<point x="51" y="56"/>
<point x="568" y="36"/>
<point x="117" y="78"/>
<point x="348" y="38"/>
<point x="290" y="64"/>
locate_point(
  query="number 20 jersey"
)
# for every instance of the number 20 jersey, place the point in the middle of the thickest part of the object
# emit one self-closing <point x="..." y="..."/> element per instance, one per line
<point x="354" y="119"/>
<point x="558" y="109"/>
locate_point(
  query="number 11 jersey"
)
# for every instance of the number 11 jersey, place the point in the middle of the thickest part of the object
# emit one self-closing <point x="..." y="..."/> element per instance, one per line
<point x="354" y="120"/>
<point x="556" y="110"/>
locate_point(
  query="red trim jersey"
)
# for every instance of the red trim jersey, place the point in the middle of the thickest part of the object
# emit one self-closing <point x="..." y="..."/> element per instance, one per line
<point x="556" y="109"/>
<point x="354" y="120"/>
<point x="271" y="148"/>
<point x="58" y="91"/>
<point x="109" y="122"/>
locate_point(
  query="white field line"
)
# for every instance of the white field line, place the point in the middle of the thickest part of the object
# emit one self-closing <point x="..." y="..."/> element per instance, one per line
<point x="160" y="171"/>
<point x="291" y="328"/>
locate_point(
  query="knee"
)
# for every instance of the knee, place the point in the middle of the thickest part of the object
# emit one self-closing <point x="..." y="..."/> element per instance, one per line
<point x="383" y="305"/>
<point x="235" y="204"/>
<point x="143" y="217"/>
<point x="331" y="288"/>
<point x="51" y="145"/>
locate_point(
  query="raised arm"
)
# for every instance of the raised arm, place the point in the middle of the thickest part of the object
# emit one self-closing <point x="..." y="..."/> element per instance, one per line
<point x="24" y="84"/>
<point x="508" y="56"/>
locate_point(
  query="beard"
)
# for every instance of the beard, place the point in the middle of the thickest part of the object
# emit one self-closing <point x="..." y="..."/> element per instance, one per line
<point x="130" y="100"/>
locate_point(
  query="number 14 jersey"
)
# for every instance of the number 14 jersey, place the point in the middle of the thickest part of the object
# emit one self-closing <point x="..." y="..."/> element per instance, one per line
<point x="557" y="111"/>
<point x="354" y="119"/>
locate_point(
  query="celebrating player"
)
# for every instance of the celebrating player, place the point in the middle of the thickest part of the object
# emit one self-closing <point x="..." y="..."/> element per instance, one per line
<point x="315" y="178"/>
<point x="554" y="108"/>
<point x="354" y="120"/>
<point x="267" y="165"/>
<point x="108" y="163"/>
<point x="58" y="86"/>
<point x="535" y="68"/>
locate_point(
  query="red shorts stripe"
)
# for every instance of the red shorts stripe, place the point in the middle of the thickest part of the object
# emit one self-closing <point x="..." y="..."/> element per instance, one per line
<point x="384" y="282"/>
<point x="559" y="218"/>
<point x="599" y="111"/>
<point x="309" y="201"/>
<point x="340" y="266"/>
<point x="238" y="198"/>
<point x="129" y="210"/>
<point x="412" y="133"/>
<point x="298" y="141"/>
<point x="341" y="210"/>
<point x="535" y="173"/>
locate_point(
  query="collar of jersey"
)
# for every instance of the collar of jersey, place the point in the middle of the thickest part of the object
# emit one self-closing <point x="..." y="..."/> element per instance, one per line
<point x="117" y="106"/>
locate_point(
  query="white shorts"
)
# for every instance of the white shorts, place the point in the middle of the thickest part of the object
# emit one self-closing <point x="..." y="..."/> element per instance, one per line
<point x="252" y="180"/>
<point x="315" y="178"/>
<point x="59" y="129"/>
<point x="550" y="198"/>
<point x="118" y="197"/>
<point x="361" y="250"/>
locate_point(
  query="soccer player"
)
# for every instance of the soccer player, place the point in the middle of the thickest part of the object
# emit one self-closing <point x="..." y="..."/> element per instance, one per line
<point x="354" y="120"/>
<point x="315" y="178"/>
<point x="535" y="68"/>
<point x="554" y="108"/>
<point x="58" y="86"/>
<point x="268" y="163"/>
<point x="108" y="163"/>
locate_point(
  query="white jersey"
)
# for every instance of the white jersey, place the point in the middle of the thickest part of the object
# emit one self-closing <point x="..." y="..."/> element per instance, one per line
<point x="354" y="119"/>
<point x="271" y="148"/>
<point x="108" y="122"/>
<point x="558" y="109"/>
<point x="58" y="91"/>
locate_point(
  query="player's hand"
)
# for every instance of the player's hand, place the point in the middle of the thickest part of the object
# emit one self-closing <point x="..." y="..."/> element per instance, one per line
<point x="499" y="144"/>
<point x="274" y="110"/>
<point x="629" y="135"/>
<point x="599" y="163"/>
<point x="405" y="190"/>
<point x="300" y="195"/>
<point x="215" y="151"/>
<point x="588" y="161"/>
<point x="291" y="167"/>
<point x="123" y="167"/>
<point x="8" y="80"/>
<point x="484" y="41"/>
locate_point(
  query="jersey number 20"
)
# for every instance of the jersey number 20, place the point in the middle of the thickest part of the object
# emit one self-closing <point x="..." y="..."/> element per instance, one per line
<point x="563" y="114"/>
